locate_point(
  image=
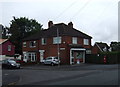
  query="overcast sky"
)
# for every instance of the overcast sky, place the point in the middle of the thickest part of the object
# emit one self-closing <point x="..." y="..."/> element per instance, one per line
<point x="97" y="18"/>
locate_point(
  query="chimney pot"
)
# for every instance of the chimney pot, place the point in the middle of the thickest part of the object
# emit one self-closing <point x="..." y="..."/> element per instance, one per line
<point x="70" y="24"/>
<point x="50" y="24"/>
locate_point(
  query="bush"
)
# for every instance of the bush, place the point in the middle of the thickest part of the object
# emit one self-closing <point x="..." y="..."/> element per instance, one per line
<point x="111" y="58"/>
<point x="94" y="58"/>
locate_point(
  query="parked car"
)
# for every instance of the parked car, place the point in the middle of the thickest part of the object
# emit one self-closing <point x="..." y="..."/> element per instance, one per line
<point x="10" y="64"/>
<point x="51" y="60"/>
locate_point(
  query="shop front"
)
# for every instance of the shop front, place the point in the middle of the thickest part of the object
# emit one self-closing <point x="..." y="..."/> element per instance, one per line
<point x="77" y="55"/>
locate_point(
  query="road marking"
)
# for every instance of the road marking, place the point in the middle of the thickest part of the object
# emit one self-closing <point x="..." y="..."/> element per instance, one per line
<point x="13" y="83"/>
<point x="6" y="74"/>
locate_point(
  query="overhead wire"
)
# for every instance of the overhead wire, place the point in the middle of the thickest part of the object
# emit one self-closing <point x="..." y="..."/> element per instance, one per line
<point x="65" y="10"/>
<point x="102" y="14"/>
<point x="88" y="1"/>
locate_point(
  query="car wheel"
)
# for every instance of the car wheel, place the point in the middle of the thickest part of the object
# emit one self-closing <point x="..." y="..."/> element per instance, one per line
<point x="52" y="64"/>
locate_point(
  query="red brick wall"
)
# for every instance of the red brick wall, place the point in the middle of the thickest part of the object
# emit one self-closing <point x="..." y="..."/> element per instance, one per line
<point x="4" y="49"/>
<point x="95" y="50"/>
<point x="32" y="49"/>
<point x="28" y="48"/>
<point x="51" y="49"/>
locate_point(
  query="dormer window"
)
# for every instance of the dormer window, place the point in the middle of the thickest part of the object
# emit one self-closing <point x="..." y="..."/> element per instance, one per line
<point x="105" y="49"/>
<point x="32" y="44"/>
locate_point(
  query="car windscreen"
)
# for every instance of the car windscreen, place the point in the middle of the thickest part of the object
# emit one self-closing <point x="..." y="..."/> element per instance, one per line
<point x="56" y="57"/>
<point x="4" y="61"/>
<point x="11" y="61"/>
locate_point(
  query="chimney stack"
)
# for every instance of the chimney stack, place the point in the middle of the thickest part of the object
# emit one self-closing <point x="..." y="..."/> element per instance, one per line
<point x="50" y="24"/>
<point x="70" y="24"/>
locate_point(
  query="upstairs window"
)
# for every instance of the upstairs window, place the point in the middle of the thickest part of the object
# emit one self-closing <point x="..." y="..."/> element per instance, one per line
<point x="32" y="44"/>
<point x="74" y="40"/>
<point x="9" y="47"/>
<point x="86" y="41"/>
<point x="57" y="40"/>
<point x="43" y="41"/>
<point x="24" y="44"/>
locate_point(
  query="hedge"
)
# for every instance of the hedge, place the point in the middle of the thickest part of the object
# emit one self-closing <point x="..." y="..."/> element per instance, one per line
<point x="111" y="58"/>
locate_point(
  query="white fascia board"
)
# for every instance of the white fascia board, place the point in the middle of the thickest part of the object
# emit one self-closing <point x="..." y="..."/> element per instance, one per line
<point x="83" y="49"/>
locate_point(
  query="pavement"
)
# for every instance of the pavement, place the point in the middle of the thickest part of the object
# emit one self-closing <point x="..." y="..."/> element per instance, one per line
<point x="77" y="67"/>
<point x="57" y="67"/>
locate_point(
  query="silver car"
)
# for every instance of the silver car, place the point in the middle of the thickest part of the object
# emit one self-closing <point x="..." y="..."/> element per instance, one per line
<point x="52" y="61"/>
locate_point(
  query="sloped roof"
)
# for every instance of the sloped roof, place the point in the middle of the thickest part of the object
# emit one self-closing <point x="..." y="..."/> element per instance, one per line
<point x="63" y="29"/>
<point x="3" y="40"/>
<point x="101" y="45"/>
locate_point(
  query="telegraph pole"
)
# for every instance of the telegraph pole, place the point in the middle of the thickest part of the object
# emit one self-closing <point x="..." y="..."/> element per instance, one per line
<point x="58" y="47"/>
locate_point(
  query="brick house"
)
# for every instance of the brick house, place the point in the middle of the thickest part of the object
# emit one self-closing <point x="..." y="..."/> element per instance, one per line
<point x="6" y="48"/>
<point x="60" y="40"/>
<point x="100" y="47"/>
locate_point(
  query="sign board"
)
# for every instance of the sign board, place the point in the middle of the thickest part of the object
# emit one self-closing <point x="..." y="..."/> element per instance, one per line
<point x="62" y="48"/>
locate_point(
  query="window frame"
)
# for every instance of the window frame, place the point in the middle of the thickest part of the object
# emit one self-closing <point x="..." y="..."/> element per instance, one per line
<point x="32" y="56"/>
<point x="57" y="40"/>
<point x="43" y="41"/>
<point x="24" y="44"/>
<point x="9" y="48"/>
<point x="86" y="41"/>
<point x="74" y="40"/>
<point x="34" y="44"/>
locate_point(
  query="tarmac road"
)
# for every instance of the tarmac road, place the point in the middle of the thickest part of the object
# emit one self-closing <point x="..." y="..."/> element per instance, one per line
<point x="86" y="74"/>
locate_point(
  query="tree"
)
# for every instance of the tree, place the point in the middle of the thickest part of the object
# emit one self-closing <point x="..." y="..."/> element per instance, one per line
<point x="20" y="28"/>
<point x="115" y="46"/>
<point x="3" y="31"/>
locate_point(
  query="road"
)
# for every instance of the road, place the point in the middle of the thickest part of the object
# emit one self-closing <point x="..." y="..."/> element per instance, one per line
<point x="85" y="74"/>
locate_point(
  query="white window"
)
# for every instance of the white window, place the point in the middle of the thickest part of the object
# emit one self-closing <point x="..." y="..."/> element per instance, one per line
<point x="74" y="40"/>
<point x="24" y="44"/>
<point x="43" y="41"/>
<point x="32" y="44"/>
<point x="9" y="47"/>
<point x="32" y="57"/>
<point x="86" y="41"/>
<point x="57" y="40"/>
<point x="88" y="51"/>
<point x="105" y="49"/>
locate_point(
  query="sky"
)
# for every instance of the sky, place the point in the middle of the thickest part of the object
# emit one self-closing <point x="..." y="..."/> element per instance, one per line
<point x="97" y="18"/>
